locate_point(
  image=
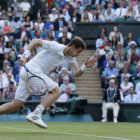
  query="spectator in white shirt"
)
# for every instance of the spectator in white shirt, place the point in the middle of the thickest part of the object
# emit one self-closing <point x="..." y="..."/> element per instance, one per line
<point x="25" y="5"/>
<point x="39" y="23"/>
<point x="53" y="16"/>
<point x="137" y="14"/>
<point x="125" y="86"/>
<point x="65" y="96"/>
<point x="130" y="12"/>
<point x="132" y="97"/>
<point x="137" y="89"/>
<point x="100" y="41"/>
<point x="121" y="11"/>
<point x="66" y="15"/>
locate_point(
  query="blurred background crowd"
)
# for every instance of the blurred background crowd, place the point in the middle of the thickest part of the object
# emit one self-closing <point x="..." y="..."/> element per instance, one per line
<point x="118" y="55"/>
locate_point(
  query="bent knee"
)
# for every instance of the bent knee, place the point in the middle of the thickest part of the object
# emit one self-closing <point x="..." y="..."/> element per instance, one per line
<point x="17" y="104"/>
<point x="57" y="91"/>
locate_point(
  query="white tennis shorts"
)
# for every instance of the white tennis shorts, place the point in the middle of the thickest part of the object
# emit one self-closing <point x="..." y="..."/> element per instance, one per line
<point x="21" y="93"/>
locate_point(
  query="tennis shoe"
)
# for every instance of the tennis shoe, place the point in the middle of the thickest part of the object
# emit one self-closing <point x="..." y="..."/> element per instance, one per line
<point x="36" y="119"/>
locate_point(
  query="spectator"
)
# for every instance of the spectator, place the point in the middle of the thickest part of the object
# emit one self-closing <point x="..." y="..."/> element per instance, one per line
<point x="20" y="14"/>
<point x="110" y="100"/>
<point x="9" y="92"/>
<point x="132" y="45"/>
<point x="130" y="12"/>
<point x="137" y="15"/>
<point x="85" y="17"/>
<point x="136" y="73"/>
<point x="125" y="85"/>
<point x="39" y="23"/>
<point x="65" y="96"/>
<point x="53" y="16"/>
<point x="120" y="63"/>
<point x="76" y="17"/>
<point x="6" y="28"/>
<point x="15" y="5"/>
<point x="125" y="72"/>
<point x="64" y="72"/>
<point x="121" y="11"/>
<point x="132" y="97"/>
<point x="137" y="89"/>
<point x="114" y="43"/>
<point x="98" y="17"/>
<point x="60" y="23"/>
<point x="67" y="83"/>
<point x="66" y="15"/>
<point x="129" y="39"/>
<point x="114" y="33"/>
<point x="25" y="5"/>
<point x="47" y="24"/>
<point x="104" y="31"/>
<point x="28" y="24"/>
<point x="25" y="42"/>
<point x="45" y="11"/>
<point x="109" y="71"/>
<point x="133" y="58"/>
<point x="100" y="41"/>
<point x="9" y="13"/>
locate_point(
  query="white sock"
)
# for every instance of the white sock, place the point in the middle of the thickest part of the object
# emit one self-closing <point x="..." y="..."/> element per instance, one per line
<point x="39" y="109"/>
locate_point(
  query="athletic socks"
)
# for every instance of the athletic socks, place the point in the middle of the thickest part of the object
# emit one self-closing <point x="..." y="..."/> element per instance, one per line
<point x="39" y="109"/>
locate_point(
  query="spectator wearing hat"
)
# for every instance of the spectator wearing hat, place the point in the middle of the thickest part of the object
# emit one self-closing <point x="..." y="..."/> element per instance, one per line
<point x="65" y="83"/>
<point x="125" y="85"/>
<point x="9" y="92"/>
<point x="53" y="16"/>
<point x="132" y="45"/>
<point x="136" y="73"/>
<point x="110" y="100"/>
<point x="60" y="23"/>
<point x="131" y="97"/>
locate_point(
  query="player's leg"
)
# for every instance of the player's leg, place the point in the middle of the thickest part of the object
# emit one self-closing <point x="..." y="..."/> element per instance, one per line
<point x="11" y="106"/>
<point x="54" y="93"/>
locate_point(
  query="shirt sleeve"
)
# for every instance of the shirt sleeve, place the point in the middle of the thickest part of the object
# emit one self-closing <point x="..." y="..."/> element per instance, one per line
<point x="53" y="46"/>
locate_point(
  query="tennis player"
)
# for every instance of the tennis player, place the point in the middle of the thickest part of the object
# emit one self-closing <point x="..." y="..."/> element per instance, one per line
<point x="53" y="55"/>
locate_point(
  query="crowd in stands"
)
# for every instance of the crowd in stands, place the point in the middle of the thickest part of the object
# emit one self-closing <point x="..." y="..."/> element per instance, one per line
<point x="118" y="56"/>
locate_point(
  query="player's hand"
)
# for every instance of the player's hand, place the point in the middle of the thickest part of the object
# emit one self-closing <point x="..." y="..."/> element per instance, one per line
<point x="90" y="62"/>
<point x="22" y="61"/>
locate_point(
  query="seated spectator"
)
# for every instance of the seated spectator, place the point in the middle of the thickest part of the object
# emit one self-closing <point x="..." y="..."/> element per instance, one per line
<point x="65" y="96"/>
<point x="114" y="33"/>
<point x="98" y="17"/>
<point x="70" y="27"/>
<point x="47" y="24"/>
<point x="133" y="58"/>
<point x="76" y="17"/>
<point x="129" y="39"/>
<point x="119" y="39"/>
<point x="53" y="16"/>
<point x="106" y="62"/>
<point x="66" y="15"/>
<point x="64" y="72"/>
<point x="15" y="5"/>
<point x="137" y="89"/>
<point x="104" y="31"/>
<point x="28" y="24"/>
<point x="130" y="12"/>
<point x="60" y="23"/>
<point x="21" y="33"/>
<point x="136" y="73"/>
<point x="121" y="11"/>
<point x="25" y="5"/>
<point x="120" y="63"/>
<point x="65" y="33"/>
<point x="54" y="33"/>
<point x="105" y="50"/>
<point x="100" y="41"/>
<point x="9" y="92"/>
<point x="114" y="43"/>
<point x="137" y="15"/>
<point x="108" y="72"/>
<point x="125" y="85"/>
<point x="85" y="17"/>
<point x="125" y="72"/>
<point x="20" y="14"/>
<point x="131" y="97"/>
<point x="39" y="23"/>
<point x="45" y="11"/>
<point x="25" y="42"/>
<point x="6" y="28"/>
<point x="110" y="100"/>
<point x="67" y="83"/>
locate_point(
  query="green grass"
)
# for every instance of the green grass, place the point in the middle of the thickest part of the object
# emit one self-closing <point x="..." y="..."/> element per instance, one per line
<point x="70" y="131"/>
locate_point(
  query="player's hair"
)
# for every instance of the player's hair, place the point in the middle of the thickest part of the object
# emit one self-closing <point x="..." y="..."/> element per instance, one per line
<point x="78" y="42"/>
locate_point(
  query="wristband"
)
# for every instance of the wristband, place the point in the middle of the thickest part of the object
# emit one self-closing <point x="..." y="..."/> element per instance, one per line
<point x="83" y="67"/>
<point x="27" y="53"/>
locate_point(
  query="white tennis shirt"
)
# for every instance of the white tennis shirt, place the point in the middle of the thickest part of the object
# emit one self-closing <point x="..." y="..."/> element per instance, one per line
<point x="50" y="57"/>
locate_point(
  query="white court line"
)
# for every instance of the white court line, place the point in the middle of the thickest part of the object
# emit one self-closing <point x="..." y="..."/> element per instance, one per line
<point x="66" y="133"/>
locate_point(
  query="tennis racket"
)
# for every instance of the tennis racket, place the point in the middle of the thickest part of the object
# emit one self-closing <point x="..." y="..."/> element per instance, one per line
<point x="35" y="85"/>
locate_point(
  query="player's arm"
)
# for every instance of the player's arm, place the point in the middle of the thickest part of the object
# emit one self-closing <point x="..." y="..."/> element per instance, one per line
<point x="78" y="71"/>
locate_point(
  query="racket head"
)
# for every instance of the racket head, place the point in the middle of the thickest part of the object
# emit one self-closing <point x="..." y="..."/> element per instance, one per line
<point x="36" y="86"/>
